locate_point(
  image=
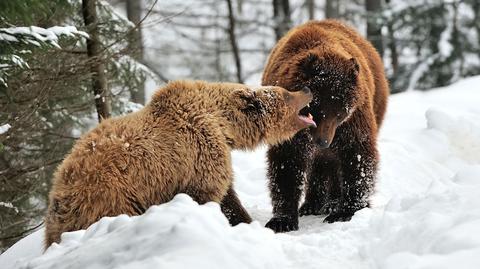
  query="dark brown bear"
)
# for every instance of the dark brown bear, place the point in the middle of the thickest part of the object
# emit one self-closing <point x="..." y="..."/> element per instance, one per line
<point x="338" y="159"/>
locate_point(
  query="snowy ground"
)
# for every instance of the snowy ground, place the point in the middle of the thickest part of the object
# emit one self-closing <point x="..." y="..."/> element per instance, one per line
<point x="426" y="211"/>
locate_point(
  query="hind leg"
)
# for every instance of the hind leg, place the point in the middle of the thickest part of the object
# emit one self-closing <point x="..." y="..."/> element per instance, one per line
<point x="53" y="230"/>
<point x="59" y="219"/>
<point x="223" y="193"/>
<point x="64" y="214"/>
<point x="358" y="167"/>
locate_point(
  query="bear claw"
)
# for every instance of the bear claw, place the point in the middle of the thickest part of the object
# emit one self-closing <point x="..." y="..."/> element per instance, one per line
<point x="282" y="224"/>
<point x="316" y="209"/>
<point x="339" y="216"/>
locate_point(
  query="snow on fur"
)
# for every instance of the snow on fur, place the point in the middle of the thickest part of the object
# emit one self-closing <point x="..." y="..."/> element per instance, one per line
<point x="425" y="214"/>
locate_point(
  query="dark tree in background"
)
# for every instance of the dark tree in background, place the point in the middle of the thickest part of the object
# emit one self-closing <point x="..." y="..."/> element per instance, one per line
<point x="233" y="41"/>
<point x="99" y="79"/>
<point x="134" y="14"/>
<point x="430" y="43"/>
<point x="281" y="17"/>
<point x="392" y="46"/>
<point x="332" y="9"/>
<point x="374" y="26"/>
<point x="310" y="4"/>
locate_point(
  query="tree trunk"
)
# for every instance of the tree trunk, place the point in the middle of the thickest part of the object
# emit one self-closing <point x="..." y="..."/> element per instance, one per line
<point x="332" y="9"/>
<point x="97" y="67"/>
<point x="134" y="13"/>
<point x="458" y="46"/>
<point x="392" y="45"/>
<point x="374" y="29"/>
<point x="311" y="9"/>
<point x="240" y="6"/>
<point x="233" y="41"/>
<point x="476" y="20"/>
<point x="393" y="48"/>
<point x="281" y="17"/>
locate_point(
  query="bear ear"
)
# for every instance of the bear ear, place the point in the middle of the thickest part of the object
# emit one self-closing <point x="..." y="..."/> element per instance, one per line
<point x="248" y="101"/>
<point x="309" y="64"/>
<point x="353" y="65"/>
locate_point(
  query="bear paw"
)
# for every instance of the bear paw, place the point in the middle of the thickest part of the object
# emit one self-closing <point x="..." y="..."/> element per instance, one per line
<point x="283" y="224"/>
<point x="339" y="216"/>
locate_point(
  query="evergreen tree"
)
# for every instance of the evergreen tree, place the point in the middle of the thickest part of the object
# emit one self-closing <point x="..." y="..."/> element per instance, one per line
<point x="47" y="98"/>
<point x="433" y="42"/>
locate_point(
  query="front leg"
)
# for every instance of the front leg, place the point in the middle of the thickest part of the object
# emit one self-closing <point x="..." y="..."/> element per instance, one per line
<point x="359" y="165"/>
<point x="287" y="168"/>
<point x="323" y="190"/>
<point x="232" y="208"/>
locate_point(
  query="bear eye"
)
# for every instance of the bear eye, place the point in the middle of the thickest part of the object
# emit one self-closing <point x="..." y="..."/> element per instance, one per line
<point x="250" y="106"/>
<point x="287" y="96"/>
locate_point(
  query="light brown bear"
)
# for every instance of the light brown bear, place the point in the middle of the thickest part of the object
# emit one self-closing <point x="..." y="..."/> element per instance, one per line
<point x="179" y="143"/>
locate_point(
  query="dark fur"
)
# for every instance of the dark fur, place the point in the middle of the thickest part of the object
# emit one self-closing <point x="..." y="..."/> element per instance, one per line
<point x="232" y="208"/>
<point x="337" y="160"/>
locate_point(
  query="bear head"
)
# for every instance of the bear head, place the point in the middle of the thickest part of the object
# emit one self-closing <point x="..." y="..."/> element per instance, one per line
<point x="333" y="80"/>
<point x="268" y="115"/>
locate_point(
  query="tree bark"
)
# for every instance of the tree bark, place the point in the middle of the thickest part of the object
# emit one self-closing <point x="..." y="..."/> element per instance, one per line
<point x="134" y="13"/>
<point x="240" y="6"/>
<point x="374" y="29"/>
<point x="281" y="17"/>
<point x="97" y="67"/>
<point x="233" y="41"/>
<point x="332" y="9"/>
<point x="393" y="48"/>
<point x="392" y="45"/>
<point x="310" y="4"/>
<point x="476" y="20"/>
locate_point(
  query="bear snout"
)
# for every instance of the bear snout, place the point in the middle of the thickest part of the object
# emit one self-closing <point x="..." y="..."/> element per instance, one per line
<point x="301" y="99"/>
<point x="325" y="132"/>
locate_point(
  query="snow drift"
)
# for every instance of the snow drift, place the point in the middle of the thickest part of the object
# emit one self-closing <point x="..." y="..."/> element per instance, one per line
<point x="179" y="234"/>
<point x="425" y="214"/>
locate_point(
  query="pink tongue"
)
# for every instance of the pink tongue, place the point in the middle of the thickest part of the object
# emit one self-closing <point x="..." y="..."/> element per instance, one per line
<point x="308" y="120"/>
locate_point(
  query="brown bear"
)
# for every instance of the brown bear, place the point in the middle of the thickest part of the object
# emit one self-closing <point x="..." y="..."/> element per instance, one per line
<point x="179" y="143"/>
<point x="338" y="159"/>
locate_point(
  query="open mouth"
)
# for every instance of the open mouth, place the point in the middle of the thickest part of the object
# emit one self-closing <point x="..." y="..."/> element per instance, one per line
<point x="305" y="116"/>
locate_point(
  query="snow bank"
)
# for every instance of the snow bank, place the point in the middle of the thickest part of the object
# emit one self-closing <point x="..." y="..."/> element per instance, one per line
<point x="425" y="214"/>
<point x="429" y="181"/>
<point x="432" y="217"/>
<point x="179" y="234"/>
<point x="24" y="250"/>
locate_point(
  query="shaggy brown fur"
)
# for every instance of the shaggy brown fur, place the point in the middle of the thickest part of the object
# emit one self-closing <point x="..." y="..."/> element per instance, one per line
<point x="179" y="143"/>
<point x="338" y="158"/>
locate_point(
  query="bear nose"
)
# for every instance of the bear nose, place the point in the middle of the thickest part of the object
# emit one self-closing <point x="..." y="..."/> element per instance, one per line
<point x="323" y="143"/>
<point x="306" y="90"/>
